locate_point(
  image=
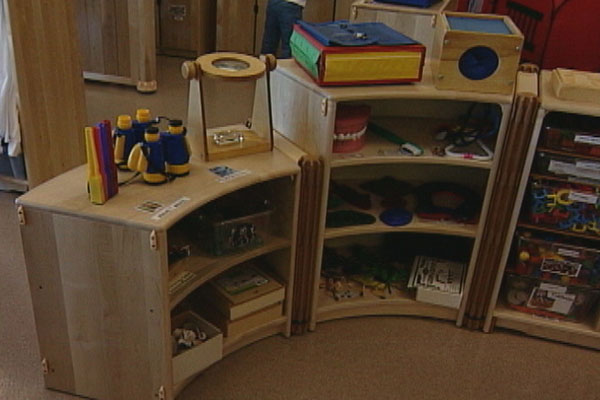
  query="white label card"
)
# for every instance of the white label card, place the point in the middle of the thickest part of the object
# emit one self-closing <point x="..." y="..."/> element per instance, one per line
<point x="587" y="139"/>
<point x="583" y="197"/>
<point x="173" y="206"/>
<point x="547" y="297"/>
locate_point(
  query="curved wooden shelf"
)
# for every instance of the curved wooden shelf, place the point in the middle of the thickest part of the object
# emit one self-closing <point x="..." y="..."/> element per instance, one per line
<point x="420" y="131"/>
<point x="551" y="103"/>
<point x="416" y="225"/>
<point x="66" y="194"/>
<point x="565" y="331"/>
<point x="207" y="267"/>
<point x="400" y="304"/>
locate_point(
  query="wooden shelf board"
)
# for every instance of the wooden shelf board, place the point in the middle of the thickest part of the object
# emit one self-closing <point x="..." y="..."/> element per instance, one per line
<point x="66" y="194"/>
<point x="231" y="344"/>
<point x="550" y="102"/>
<point x="416" y="225"/>
<point x="558" y="231"/>
<point x="207" y="267"/>
<point x="567" y="154"/>
<point x="565" y="331"/>
<point x="420" y="131"/>
<point x="435" y="8"/>
<point x="419" y="90"/>
<point x="401" y="304"/>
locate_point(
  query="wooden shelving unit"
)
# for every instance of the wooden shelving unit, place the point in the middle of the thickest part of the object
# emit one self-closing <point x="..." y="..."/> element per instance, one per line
<point x="499" y="315"/>
<point x="415" y="112"/>
<point x="100" y="275"/>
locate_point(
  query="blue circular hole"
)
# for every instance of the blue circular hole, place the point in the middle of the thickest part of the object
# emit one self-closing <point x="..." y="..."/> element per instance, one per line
<point x="478" y="63"/>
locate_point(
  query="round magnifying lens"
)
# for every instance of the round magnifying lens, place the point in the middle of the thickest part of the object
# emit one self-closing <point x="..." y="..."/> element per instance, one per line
<point x="229" y="64"/>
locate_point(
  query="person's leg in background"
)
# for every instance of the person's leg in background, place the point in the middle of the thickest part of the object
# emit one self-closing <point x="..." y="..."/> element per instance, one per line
<point x="290" y="13"/>
<point x="272" y="32"/>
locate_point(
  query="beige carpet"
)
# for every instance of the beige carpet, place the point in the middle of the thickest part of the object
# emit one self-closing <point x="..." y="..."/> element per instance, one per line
<point x="362" y="358"/>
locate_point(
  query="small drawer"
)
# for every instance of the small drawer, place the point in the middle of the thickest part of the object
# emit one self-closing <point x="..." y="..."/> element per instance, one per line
<point x="564" y="206"/>
<point x="553" y="261"/>
<point x="535" y="296"/>
<point x="572" y="168"/>
<point x="188" y="362"/>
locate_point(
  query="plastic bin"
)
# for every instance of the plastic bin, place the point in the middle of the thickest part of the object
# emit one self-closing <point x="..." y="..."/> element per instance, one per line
<point x="564" y="206"/>
<point x="573" y="141"/>
<point x="535" y="296"/>
<point x="572" y="168"/>
<point x="557" y="262"/>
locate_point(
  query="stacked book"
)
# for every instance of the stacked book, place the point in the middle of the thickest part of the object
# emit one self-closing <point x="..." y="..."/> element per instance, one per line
<point x="341" y="53"/>
<point x="241" y="299"/>
<point x="102" y="177"/>
<point x="438" y="281"/>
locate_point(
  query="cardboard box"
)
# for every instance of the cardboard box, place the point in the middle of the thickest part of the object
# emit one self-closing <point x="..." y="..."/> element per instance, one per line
<point x="189" y="362"/>
<point x="242" y="290"/>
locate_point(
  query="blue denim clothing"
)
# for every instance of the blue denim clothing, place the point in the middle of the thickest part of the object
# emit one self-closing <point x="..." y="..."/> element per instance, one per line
<point x="281" y="16"/>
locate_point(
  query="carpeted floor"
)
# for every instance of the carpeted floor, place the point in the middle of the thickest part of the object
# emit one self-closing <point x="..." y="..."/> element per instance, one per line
<point x="361" y="358"/>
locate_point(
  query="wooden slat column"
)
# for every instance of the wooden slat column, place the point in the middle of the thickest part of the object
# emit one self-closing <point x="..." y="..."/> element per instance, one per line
<point x="307" y="245"/>
<point x="502" y="202"/>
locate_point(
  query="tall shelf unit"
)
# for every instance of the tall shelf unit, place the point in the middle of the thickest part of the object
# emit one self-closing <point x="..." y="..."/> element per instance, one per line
<point x="102" y="285"/>
<point x="587" y="331"/>
<point x="305" y="114"/>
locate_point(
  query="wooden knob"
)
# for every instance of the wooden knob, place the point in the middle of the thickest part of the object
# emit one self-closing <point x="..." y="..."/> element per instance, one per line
<point x="270" y="62"/>
<point x="189" y="70"/>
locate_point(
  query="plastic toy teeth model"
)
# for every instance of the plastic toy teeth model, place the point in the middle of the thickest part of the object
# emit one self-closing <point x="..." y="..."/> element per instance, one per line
<point x="350" y="128"/>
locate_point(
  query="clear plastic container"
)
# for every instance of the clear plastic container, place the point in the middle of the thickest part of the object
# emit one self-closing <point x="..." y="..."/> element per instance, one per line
<point x="535" y="296"/>
<point x="564" y="206"/>
<point x="552" y="261"/>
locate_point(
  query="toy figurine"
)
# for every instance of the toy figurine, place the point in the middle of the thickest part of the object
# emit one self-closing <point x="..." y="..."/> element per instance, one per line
<point x="125" y="138"/>
<point x="177" y="149"/>
<point x="148" y="158"/>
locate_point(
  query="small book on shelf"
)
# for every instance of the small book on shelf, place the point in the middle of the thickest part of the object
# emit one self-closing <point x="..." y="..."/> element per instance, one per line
<point x="438" y="281"/>
<point x="242" y="290"/>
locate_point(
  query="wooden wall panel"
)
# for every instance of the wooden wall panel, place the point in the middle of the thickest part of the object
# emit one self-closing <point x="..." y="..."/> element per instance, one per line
<point x="117" y="41"/>
<point x="52" y="100"/>
<point x="191" y="34"/>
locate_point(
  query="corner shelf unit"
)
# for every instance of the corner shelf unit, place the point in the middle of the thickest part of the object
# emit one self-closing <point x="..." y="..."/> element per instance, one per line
<point x="100" y="275"/>
<point x="587" y="332"/>
<point x="305" y="114"/>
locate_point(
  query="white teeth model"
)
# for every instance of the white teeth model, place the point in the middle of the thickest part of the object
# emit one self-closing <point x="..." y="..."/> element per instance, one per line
<point x="349" y="136"/>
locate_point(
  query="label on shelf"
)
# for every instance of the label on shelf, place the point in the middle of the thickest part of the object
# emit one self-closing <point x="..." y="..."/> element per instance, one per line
<point x="587" y="165"/>
<point x="583" y="197"/>
<point x="568" y="252"/>
<point x="560" y="267"/>
<point x="173" y="206"/>
<point x="587" y="139"/>
<point x="564" y="168"/>
<point x="551" y="298"/>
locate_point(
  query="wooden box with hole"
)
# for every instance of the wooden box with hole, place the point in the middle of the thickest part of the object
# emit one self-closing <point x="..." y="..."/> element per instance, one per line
<point x="476" y="52"/>
<point x="246" y="127"/>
